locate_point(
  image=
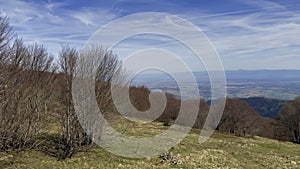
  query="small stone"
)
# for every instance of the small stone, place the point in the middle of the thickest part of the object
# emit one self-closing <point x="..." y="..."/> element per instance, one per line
<point x="293" y="162"/>
<point x="170" y="156"/>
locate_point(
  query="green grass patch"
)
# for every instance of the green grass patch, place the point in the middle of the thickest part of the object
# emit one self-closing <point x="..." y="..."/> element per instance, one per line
<point x="220" y="151"/>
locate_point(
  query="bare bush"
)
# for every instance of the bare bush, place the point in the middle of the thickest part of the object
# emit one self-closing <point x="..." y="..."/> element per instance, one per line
<point x="107" y="65"/>
<point x="27" y="77"/>
<point x="72" y="135"/>
<point x="25" y="87"/>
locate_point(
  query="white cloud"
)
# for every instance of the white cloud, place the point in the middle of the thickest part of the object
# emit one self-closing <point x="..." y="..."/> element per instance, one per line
<point x="264" y="34"/>
<point x="51" y="6"/>
<point x="268" y="31"/>
<point x="52" y="24"/>
<point x="263" y="4"/>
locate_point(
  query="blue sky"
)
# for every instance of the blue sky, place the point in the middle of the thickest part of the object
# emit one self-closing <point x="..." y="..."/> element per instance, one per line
<point x="248" y="34"/>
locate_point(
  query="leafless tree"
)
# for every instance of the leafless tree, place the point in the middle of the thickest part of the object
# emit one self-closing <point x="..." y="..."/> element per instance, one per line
<point x="73" y="135"/>
<point x="238" y="117"/>
<point x="6" y="35"/>
<point x="27" y="77"/>
<point x="109" y="72"/>
<point x="107" y="65"/>
<point x="290" y="116"/>
<point x="25" y="80"/>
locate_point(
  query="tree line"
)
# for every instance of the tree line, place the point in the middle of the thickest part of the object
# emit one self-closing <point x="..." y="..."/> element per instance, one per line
<point x="238" y="117"/>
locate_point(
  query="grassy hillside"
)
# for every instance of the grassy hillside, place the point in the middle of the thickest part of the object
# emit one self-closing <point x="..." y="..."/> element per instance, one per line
<point x="220" y="151"/>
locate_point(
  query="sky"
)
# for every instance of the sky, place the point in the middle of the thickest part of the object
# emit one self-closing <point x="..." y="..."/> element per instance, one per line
<point x="247" y="34"/>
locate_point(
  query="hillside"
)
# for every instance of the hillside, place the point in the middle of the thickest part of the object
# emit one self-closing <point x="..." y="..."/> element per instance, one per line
<point x="238" y="117"/>
<point x="220" y="151"/>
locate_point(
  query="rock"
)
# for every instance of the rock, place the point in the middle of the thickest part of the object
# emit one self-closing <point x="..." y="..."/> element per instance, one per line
<point x="170" y="156"/>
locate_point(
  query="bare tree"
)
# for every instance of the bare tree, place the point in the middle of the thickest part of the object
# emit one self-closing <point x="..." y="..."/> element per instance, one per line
<point x="12" y="124"/>
<point x="25" y="79"/>
<point x="5" y="38"/>
<point x="290" y="116"/>
<point x="238" y="117"/>
<point x="109" y="72"/>
<point x="107" y="65"/>
<point x="26" y="76"/>
<point x="6" y="35"/>
<point x="72" y="134"/>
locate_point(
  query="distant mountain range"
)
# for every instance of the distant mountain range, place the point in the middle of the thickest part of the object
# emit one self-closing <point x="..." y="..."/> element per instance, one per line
<point x="264" y="74"/>
<point x="276" y="84"/>
<point x="273" y="75"/>
<point x="231" y="75"/>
